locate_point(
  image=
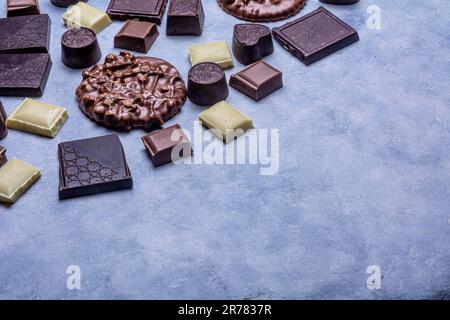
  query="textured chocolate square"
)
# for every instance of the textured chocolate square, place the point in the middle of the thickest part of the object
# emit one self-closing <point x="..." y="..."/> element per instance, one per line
<point x="185" y="17"/>
<point x="315" y="36"/>
<point x="22" y="7"/>
<point x="257" y="80"/>
<point x="145" y="10"/>
<point x="25" y="34"/>
<point x="24" y="74"/>
<point x="136" y="36"/>
<point x="91" y="166"/>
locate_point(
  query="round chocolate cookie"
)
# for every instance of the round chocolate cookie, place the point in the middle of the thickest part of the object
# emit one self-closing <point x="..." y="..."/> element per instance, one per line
<point x="129" y="92"/>
<point x="262" y="10"/>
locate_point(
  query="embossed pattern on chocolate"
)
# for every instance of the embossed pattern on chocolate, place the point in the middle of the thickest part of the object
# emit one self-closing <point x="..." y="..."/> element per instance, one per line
<point x="80" y="48"/>
<point x="251" y="42"/>
<point x="207" y="84"/>
<point x="129" y="92"/>
<point x="262" y="10"/>
<point x="25" y="34"/>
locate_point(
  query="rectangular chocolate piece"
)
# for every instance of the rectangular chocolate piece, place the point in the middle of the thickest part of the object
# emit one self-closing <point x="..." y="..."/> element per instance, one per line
<point x="83" y="15"/>
<point x="22" y="7"/>
<point x="24" y="74"/>
<point x="257" y="80"/>
<point x="185" y="17"/>
<point x="217" y="52"/>
<point x="145" y="10"/>
<point x="16" y="177"/>
<point x="315" y="36"/>
<point x="167" y="145"/>
<point x="3" y="158"/>
<point x="91" y="166"/>
<point x="25" y="34"/>
<point x="136" y="36"/>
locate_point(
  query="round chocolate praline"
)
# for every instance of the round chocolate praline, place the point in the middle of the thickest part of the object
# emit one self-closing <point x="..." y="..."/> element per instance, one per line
<point x="80" y="48"/>
<point x="262" y="10"/>
<point x="65" y="3"/>
<point x="207" y="84"/>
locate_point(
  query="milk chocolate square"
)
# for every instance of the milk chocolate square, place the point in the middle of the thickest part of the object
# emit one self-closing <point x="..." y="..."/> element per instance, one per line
<point x="136" y="36"/>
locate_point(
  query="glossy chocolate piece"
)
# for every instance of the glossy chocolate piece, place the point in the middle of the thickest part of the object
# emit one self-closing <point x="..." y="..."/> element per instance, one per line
<point x="22" y="7"/>
<point x="3" y="158"/>
<point x="65" y="3"/>
<point x="257" y="80"/>
<point x="80" y="48"/>
<point x="25" y="34"/>
<point x="262" y="10"/>
<point x="207" y="84"/>
<point x="339" y="1"/>
<point x="185" y="17"/>
<point x="92" y="166"/>
<point x="251" y="42"/>
<point x="24" y="74"/>
<point x="128" y="92"/>
<point x="3" y="117"/>
<point x="315" y="35"/>
<point x="136" y="36"/>
<point x="167" y="145"/>
<point x="144" y="10"/>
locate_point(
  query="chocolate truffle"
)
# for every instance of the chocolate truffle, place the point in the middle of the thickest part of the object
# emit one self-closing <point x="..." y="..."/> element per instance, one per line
<point x="3" y="129"/>
<point x="207" y="84"/>
<point x="65" y="3"/>
<point x="136" y="36"/>
<point x="79" y="48"/>
<point x="251" y="42"/>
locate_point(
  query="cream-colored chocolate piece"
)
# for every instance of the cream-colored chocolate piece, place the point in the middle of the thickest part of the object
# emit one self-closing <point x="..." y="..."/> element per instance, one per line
<point x="84" y="15"/>
<point x="37" y="117"/>
<point x="15" y="178"/>
<point x="217" y="52"/>
<point x="225" y="122"/>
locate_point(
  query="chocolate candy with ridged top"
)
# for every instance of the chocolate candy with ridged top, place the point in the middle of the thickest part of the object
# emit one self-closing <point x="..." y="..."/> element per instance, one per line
<point x="65" y="3"/>
<point x="80" y="48"/>
<point x="340" y="1"/>
<point x="3" y="116"/>
<point x="251" y="42"/>
<point x="3" y="158"/>
<point x="207" y="84"/>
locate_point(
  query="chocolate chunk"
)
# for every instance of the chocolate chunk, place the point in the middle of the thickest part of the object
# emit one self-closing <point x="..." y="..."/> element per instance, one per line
<point x="315" y="35"/>
<point x="167" y="145"/>
<point x="3" y="158"/>
<point x="217" y="52"/>
<point x="65" y="3"/>
<point x="339" y="1"/>
<point x="207" y="84"/>
<point x="185" y="18"/>
<point x="24" y="74"/>
<point x="92" y="166"/>
<point x="16" y="178"/>
<point x="79" y="48"/>
<point x="257" y="80"/>
<point x="83" y="15"/>
<point x="3" y="117"/>
<point x="130" y="92"/>
<point x="136" y="36"/>
<point x="145" y="10"/>
<point x="251" y="42"/>
<point x="262" y="10"/>
<point x="25" y="34"/>
<point x="22" y="7"/>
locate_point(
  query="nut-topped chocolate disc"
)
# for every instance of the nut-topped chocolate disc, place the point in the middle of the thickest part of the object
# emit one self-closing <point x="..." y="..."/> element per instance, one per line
<point x="262" y="10"/>
<point x="129" y="92"/>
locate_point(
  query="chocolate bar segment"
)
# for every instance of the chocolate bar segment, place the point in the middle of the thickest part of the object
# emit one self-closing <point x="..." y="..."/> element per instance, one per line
<point x="80" y="48"/>
<point x="25" y="34"/>
<point x="83" y="15"/>
<point x="145" y="10"/>
<point x="24" y="74"/>
<point x="167" y="145"/>
<point x="315" y="36"/>
<point x="257" y="80"/>
<point x="251" y="42"/>
<point x="91" y="166"/>
<point x="185" y="17"/>
<point x="207" y="84"/>
<point x="22" y="7"/>
<point x="3" y="158"/>
<point x="136" y="36"/>
<point x="3" y="117"/>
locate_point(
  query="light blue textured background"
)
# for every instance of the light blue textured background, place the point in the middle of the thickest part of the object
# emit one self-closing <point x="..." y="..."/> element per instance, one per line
<point x="364" y="179"/>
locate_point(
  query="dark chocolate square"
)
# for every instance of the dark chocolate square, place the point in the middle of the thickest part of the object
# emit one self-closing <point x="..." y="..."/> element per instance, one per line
<point x="136" y="36"/>
<point x="315" y="36"/>
<point x="92" y="166"/>
<point x="185" y="17"/>
<point x="145" y="10"/>
<point x="258" y="80"/>
<point x="25" y="34"/>
<point x="24" y="75"/>
<point x="161" y="144"/>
